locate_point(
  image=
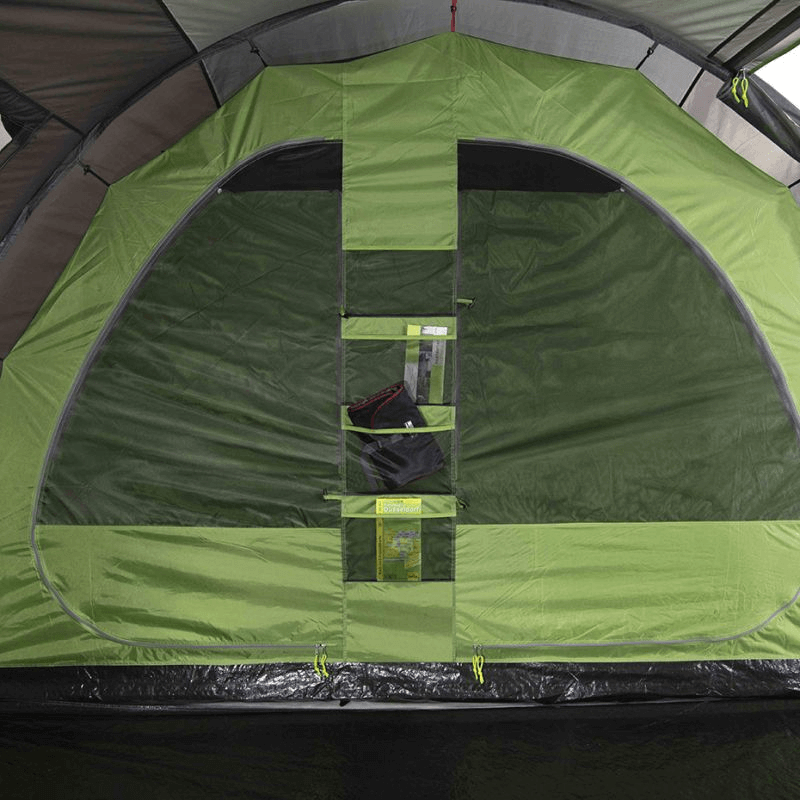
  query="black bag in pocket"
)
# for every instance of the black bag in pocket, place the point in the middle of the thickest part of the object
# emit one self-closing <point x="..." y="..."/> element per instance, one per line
<point x="401" y="457"/>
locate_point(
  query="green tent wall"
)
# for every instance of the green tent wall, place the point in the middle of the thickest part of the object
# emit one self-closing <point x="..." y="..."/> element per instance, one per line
<point x="127" y="584"/>
<point x="614" y="590"/>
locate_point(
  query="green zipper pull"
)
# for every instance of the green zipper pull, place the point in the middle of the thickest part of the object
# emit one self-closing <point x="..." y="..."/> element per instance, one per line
<point x="320" y="660"/>
<point x="478" y="661"/>
<point x="741" y="82"/>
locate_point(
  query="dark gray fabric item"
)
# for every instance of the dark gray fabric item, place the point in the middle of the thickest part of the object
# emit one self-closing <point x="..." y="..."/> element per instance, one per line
<point x="81" y="60"/>
<point x="30" y="166"/>
<point x="230" y="69"/>
<point x="44" y="245"/>
<point x="20" y="115"/>
<point x="151" y="125"/>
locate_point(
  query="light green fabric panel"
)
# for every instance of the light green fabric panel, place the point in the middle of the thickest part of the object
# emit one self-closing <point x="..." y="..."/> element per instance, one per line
<point x="399" y="621"/>
<point x="628" y="592"/>
<point x="399" y="173"/>
<point x="275" y="589"/>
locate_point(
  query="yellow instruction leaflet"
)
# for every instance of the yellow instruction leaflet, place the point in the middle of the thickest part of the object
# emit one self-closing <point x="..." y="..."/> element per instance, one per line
<point x="399" y="538"/>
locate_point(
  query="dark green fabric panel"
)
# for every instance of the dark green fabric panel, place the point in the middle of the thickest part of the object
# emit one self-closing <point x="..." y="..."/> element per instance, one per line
<point x="381" y="282"/>
<point x="214" y="401"/>
<point x="605" y="375"/>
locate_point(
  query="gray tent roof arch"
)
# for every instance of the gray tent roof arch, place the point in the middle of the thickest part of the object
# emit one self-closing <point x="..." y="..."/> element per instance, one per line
<point x="98" y="97"/>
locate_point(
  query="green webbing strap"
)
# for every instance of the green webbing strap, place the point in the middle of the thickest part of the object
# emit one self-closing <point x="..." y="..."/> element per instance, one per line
<point x="361" y="506"/>
<point x="438" y="419"/>
<point x="396" y="328"/>
<point x="410" y="373"/>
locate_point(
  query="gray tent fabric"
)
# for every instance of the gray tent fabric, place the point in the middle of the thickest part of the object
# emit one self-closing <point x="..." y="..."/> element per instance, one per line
<point x="80" y="60"/>
<point x="556" y="32"/>
<point x="232" y="68"/>
<point x="110" y="83"/>
<point x="704" y="23"/>
<point x="671" y="72"/>
<point x="207" y="22"/>
<point x="47" y="240"/>
<point x="180" y="103"/>
<point x="769" y="18"/>
<point x="740" y="136"/>
<point x="30" y="165"/>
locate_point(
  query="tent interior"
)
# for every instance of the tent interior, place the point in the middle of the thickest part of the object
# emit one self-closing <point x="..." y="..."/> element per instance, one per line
<point x="577" y="256"/>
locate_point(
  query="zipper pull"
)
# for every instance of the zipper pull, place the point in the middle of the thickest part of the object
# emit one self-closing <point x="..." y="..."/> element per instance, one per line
<point x="478" y="661"/>
<point x="743" y="84"/>
<point x="320" y="659"/>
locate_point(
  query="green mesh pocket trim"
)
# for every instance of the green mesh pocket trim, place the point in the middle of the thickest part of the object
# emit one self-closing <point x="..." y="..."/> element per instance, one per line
<point x="396" y="328"/>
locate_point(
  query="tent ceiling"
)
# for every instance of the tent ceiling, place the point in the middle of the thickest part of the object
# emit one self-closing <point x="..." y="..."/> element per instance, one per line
<point x="80" y="59"/>
<point x="704" y="24"/>
<point x="72" y="74"/>
<point x="208" y="21"/>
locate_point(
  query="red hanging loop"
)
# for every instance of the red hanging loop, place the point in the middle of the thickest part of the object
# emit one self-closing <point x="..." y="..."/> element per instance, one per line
<point x="453" y="16"/>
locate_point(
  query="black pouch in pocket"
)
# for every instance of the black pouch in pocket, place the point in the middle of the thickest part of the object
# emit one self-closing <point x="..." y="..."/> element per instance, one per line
<point x="397" y="458"/>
